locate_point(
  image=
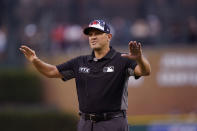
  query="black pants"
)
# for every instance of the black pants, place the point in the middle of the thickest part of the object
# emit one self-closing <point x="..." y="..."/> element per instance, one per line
<point x="115" y="124"/>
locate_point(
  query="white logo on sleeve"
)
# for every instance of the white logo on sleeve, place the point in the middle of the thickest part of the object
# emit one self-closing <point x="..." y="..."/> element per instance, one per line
<point x="84" y="70"/>
<point x="108" y="69"/>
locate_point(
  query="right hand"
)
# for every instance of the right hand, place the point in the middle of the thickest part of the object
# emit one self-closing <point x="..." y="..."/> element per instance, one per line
<point x="29" y="53"/>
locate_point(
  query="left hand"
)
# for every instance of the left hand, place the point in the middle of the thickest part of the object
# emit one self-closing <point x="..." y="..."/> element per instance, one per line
<point x="135" y="51"/>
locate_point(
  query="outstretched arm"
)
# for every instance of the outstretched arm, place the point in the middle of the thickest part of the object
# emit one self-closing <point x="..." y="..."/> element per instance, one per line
<point x="44" y="68"/>
<point x="143" y="67"/>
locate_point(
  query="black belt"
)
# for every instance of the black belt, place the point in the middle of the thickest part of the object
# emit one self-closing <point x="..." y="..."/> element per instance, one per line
<point x="95" y="117"/>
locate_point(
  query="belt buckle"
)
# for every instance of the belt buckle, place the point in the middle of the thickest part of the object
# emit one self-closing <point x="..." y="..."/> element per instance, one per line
<point x="92" y="116"/>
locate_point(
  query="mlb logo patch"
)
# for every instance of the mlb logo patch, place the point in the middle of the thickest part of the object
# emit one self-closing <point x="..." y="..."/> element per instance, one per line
<point x="108" y="69"/>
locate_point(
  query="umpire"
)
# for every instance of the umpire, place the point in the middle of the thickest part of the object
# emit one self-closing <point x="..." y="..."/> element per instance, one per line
<point x="101" y="78"/>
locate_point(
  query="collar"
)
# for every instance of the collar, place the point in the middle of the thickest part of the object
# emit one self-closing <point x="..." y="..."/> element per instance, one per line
<point x="109" y="55"/>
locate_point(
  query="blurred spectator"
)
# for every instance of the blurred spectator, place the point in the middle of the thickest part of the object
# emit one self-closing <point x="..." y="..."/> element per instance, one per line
<point x="192" y="30"/>
<point x="66" y="36"/>
<point x="121" y="31"/>
<point x="73" y="34"/>
<point x="39" y="22"/>
<point x="57" y="36"/>
<point x="155" y="28"/>
<point x="175" y="33"/>
<point x="33" y="36"/>
<point x="30" y="30"/>
<point x="3" y="42"/>
<point x="140" y="31"/>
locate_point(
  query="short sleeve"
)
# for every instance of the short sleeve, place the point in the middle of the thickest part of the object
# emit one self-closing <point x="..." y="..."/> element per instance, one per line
<point x="130" y="67"/>
<point x="67" y="69"/>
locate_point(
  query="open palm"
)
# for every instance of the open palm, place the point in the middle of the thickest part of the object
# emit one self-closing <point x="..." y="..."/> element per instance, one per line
<point x="29" y="53"/>
<point x="135" y="51"/>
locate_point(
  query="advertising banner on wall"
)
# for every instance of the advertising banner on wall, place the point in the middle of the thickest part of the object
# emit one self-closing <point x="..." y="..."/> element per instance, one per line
<point x="171" y="87"/>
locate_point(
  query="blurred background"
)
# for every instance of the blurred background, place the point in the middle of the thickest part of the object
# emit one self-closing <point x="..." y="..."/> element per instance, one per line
<point x="167" y="29"/>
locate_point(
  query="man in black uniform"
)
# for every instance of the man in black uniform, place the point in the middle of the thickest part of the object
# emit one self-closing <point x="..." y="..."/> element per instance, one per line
<point x="101" y="78"/>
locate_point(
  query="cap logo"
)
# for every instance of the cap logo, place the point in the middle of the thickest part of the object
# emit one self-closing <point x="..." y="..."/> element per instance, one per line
<point x="97" y="24"/>
<point x="94" y="22"/>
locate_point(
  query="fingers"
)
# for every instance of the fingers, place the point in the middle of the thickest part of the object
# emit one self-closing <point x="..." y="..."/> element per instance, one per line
<point x="134" y="47"/>
<point x="26" y="50"/>
<point x="22" y="50"/>
<point x="140" y="46"/>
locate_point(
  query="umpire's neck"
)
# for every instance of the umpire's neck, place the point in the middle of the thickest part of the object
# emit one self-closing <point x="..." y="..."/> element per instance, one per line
<point x="100" y="53"/>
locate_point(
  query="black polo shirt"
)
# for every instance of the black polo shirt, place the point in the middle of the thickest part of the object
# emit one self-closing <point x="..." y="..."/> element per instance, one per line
<point x="101" y="83"/>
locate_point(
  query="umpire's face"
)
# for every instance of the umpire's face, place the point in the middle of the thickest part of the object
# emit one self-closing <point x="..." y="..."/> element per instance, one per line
<point x="99" y="40"/>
